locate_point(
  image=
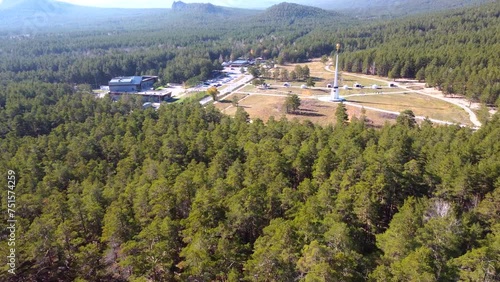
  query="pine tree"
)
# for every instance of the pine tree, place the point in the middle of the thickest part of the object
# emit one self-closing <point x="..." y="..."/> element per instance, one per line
<point x="341" y="114"/>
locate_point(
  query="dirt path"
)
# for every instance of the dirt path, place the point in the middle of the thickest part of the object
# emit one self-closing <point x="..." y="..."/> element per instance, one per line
<point x="459" y="102"/>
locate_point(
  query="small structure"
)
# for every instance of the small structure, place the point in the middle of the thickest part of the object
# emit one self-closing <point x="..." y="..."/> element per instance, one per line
<point x="329" y="85"/>
<point x="303" y="86"/>
<point x="357" y="85"/>
<point x="375" y="86"/>
<point x="131" y="83"/>
<point x="392" y="84"/>
<point x="346" y="87"/>
<point x="264" y="86"/>
<point x="286" y="84"/>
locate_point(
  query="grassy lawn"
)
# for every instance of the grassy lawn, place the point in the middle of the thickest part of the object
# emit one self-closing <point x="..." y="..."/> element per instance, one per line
<point x="263" y="107"/>
<point x="222" y="88"/>
<point x="238" y="79"/>
<point x="322" y="77"/>
<point x="368" y="90"/>
<point x="318" y="112"/>
<point x="350" y="80"/>
<point x="195" y="96"/>
<point x="228" y="100"/>
<point x="392" y="99"/>
<point x="317" y="71"/>
<point x="419" y="104"/>
<point x="248" y="88"/>
<point x="280" y="90"/>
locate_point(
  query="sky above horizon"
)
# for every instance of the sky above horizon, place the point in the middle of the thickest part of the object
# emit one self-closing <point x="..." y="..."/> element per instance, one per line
<point x="168" y="3"/>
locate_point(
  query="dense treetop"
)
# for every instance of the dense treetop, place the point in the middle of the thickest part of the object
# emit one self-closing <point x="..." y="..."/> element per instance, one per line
<point x="108" y="191"/>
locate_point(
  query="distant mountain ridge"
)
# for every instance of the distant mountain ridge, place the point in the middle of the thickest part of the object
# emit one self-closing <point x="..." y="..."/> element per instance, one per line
<point x="33" y="5"/>
<point x="33" y="16"/>
<point x="36" y="15"/>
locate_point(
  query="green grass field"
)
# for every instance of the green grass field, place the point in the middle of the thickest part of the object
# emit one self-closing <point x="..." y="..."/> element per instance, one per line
<point x="192" y="96"/>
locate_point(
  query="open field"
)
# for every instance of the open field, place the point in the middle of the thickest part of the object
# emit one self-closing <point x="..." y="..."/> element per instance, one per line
<point x="279" y="83"/>
<point x="194" y="95"/>
<point x="295" y="89"/>
<point x="369" y="90"/>
<point x="316" y="70"/>
<point x="263" y="107"/>
<point x="228" y="101"/>
<point x="284" y="90"/>
<point x="323" y="113"/>
<point x="419" y="104"/>
<point x="348" y="79"/>
<point x="263" y="103"/>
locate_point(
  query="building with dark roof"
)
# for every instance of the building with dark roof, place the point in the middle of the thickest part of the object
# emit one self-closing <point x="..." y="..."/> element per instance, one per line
<point x="131" y="83"/>
<point x="240" y="63"/>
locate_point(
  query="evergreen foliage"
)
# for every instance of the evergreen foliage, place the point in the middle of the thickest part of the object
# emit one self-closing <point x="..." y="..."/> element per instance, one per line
<point x="108" y="191"/>
<point x="292" y="103"/>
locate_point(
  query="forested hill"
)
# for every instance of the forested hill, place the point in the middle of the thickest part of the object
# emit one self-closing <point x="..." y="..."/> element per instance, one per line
<point x="293" y="11"/>
<point x="106" y="191"/>
<point x="208" y="10"/>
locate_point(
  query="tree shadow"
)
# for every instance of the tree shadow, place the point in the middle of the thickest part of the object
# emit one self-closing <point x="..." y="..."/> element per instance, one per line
<point x="322" y="106"/>
<point x="307" y="112"/>
<point x="388" y="116"/>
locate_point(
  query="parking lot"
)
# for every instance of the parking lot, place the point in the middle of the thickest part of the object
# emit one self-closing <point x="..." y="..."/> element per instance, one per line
<point x="228" y="76"/>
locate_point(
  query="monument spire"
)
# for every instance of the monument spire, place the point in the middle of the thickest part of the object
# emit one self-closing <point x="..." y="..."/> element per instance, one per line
<point x="335" y="91"/>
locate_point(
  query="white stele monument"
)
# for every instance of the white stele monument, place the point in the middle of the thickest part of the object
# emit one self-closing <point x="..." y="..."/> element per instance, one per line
<point x="335" y="90"/>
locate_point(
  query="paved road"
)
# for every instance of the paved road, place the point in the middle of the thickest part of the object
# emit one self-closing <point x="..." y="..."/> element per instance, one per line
<point x="237" y="84"/>
<point x="231" y="87"/>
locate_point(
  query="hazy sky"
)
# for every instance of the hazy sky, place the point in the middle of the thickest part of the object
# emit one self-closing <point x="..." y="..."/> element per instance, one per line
<point x="168" y="3"/>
